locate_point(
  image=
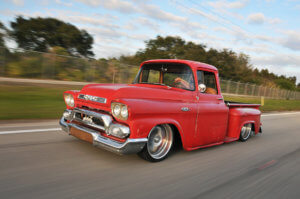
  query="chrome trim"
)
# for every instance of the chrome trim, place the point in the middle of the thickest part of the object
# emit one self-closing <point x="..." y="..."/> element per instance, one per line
<point x="124" y="129"/>
<point x="185" y="109"/>
<point x="127" y="147"/>
<point x="107" y="119"/>
<point x="68" y="114"/>
<point x="92" y="98"/>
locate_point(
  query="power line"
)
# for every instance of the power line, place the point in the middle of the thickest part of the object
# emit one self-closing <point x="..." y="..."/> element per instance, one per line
<point x="222" y="17"/>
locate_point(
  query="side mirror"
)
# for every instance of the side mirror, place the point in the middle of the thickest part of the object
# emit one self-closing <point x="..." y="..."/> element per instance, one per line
<point x="202" y="88"/>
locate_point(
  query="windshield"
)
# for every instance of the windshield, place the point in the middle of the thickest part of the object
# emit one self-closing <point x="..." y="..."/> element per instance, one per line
<point x="169" y="74"/>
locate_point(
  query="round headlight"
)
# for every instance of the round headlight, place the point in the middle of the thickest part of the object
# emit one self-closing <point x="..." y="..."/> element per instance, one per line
<point x="124" y="112"/>
<point x="117" y="109"/>
<point x="69" y="99"/>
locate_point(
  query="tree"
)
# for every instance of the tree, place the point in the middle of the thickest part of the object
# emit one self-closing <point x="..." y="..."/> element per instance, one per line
<point x="169" y="48"/>
<point x="286" y="84"/>
<point x="231" y="65"/>
<point x="40" y="34"/>
<point x="3" y="31"/>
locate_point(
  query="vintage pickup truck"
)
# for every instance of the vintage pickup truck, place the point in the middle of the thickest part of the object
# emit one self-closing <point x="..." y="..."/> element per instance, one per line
<point x="170" y="101"/>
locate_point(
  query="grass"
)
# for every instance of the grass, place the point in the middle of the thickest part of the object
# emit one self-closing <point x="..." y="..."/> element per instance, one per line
<point x="270" y="104"/>
<point x="19" y="101"/>
<point x="31" y="101"/>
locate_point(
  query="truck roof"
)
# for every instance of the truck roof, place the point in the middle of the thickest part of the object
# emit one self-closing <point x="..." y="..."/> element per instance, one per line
<point x="193" y="64"/>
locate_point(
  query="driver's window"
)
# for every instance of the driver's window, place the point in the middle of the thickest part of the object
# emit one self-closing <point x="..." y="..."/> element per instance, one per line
<point x="209" y="80"/>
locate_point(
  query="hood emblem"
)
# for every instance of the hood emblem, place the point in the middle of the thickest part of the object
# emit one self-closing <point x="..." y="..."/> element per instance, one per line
<point x="92" y="98"/>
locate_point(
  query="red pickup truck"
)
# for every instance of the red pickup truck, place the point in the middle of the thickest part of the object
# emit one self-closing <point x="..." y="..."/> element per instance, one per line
<point x="170" y="101"/>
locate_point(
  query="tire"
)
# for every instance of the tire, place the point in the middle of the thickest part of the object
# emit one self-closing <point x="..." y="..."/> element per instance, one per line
<point x="245" y="132"/>
<point x="159" y="145"/>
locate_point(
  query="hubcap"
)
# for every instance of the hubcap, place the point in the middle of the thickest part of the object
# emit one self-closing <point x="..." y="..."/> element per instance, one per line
<point x="160" y="141"/>
<point x="246" y="131"/>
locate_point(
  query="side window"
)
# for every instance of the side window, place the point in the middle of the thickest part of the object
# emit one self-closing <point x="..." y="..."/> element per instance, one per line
<point x="150" y="76"/>
<point x="209" y="79"/>
<point x="154" y="76"/>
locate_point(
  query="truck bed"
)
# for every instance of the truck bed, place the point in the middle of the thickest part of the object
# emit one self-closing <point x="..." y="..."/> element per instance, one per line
<point x="240" y="114"/>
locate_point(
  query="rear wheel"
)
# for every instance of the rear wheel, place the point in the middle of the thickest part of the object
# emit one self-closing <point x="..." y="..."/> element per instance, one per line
<point x="245" y="132"/>
<point x="159" y="145"/>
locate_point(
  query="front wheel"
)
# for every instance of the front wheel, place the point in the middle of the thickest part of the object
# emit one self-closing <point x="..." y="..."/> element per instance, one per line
<point x="245" y="132"/>
<point x="159" y="145"/>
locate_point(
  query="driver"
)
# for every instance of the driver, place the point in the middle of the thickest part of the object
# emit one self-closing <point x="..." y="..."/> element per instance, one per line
<point x="181" y="83"/>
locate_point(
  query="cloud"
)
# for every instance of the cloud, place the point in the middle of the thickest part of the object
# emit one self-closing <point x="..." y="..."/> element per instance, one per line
<point x="105" y="32"/>
<point x="118" y="5"/>
<point x="104" y="21"/>
<point x="256" y="18"/>
<point x="107" y="21"/>
<point x="221" y="4"/>
<point x="68" y="4"/>
<point x="291" y="40"/>
<point x="146" y="23"/>
<point x="155" y="12"/>
<point x="274" y="20"/>
<point x="279" y="63"/>
<point x="18" y="2"/>
<point x="259" y="18"/>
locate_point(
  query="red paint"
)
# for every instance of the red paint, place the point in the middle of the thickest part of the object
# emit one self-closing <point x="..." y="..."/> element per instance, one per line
<point x="208" y="122"/>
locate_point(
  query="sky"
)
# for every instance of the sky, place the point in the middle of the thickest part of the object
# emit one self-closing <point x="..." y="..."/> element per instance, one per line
<point x="266" y="30"/>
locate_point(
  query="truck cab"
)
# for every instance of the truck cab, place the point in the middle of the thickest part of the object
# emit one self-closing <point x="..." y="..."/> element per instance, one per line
<point x="169" y="101"/>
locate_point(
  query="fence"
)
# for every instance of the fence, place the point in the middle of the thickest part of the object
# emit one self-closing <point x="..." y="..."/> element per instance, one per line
<point x="37" y="65"/>
<point x="238" y="88"/>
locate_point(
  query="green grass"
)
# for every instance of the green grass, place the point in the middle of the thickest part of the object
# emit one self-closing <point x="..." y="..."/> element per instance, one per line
<point x="270" y="104"/>
<point x="46" y="101"/>
<point x="31" y="101"/>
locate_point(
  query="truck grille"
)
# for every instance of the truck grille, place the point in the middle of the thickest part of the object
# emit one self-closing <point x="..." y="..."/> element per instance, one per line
<point x="91" y="118"/>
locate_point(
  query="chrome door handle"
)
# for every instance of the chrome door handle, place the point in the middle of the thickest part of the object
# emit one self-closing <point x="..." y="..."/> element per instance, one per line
<point x="221" y="98"/>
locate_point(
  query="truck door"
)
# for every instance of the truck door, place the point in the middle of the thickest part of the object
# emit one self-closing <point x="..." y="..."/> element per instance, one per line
<point x="212" y="112"/>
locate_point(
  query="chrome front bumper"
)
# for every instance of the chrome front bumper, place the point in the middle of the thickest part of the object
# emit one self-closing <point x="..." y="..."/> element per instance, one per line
<point x="127" y="147"/>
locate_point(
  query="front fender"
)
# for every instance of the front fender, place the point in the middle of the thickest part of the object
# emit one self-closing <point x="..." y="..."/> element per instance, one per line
<point x="147" y="113"/>
<point x="141" y="128"/>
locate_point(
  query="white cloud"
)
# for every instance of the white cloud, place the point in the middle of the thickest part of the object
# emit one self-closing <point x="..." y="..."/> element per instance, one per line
<point x="274" y="20"/>
<point x="155" y="12"/>
<point x="96" y="21"/>
<point x="256" y="18"/>
<point x="18" y="2"/>
<point x="221" y="4"/>
<point x="118" y="5"/>
<point x="279" y="63"/>
<point x="291" y="40"/>
<point x="146" y="23"/>
<point x="260" y="18"/>
<point x="68" y="4"/>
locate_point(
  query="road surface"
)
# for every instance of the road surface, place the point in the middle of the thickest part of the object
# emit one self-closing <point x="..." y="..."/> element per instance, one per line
<point x="39" y="161"/>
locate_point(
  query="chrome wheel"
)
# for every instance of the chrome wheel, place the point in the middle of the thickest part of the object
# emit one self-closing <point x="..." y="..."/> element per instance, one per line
<point x="160" y="141"/>
<point x="245" y="132"/>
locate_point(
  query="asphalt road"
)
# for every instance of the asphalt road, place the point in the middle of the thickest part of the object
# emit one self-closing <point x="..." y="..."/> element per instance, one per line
<point x="51" y="164"/>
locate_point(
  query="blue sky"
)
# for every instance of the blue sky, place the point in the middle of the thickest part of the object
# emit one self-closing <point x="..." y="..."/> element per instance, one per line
<point x="266" y="30"/>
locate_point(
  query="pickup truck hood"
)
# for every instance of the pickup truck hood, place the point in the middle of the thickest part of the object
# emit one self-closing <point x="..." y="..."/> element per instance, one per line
<point x="134" y="91"/>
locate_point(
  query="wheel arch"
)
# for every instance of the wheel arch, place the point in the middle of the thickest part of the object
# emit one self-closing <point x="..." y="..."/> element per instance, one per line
<point x="145" y="126"/>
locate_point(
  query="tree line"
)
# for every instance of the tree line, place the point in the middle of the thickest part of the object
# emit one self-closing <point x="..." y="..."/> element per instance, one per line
<point x="54" y="36"/>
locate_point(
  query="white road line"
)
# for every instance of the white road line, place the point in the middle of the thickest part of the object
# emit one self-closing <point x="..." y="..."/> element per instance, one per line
<point x="29" y="131"/>
<point x="276" y="114"/>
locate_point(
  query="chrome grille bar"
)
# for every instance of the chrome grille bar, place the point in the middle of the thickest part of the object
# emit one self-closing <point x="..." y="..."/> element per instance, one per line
<point x="88" y="119"/>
